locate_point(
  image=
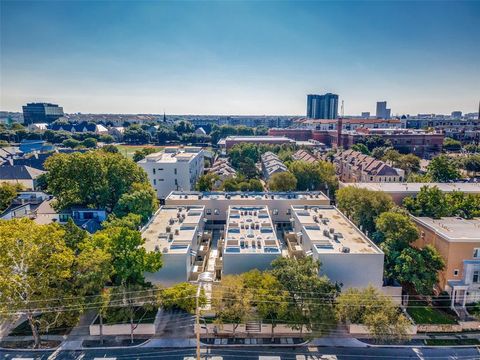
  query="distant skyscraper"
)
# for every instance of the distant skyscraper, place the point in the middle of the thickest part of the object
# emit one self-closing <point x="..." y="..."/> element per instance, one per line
<point x="366" y="114"/>
<point x="382" y="111"/>
<point x="456" y="114"/>
<point x="322" y="106"/>
<point x="41" y="113"/>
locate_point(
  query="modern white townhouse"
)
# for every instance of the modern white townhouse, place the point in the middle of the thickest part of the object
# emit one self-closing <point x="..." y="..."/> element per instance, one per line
<point x="347" y="256"/>
<point x="250" y="240"/>
<point x="178" y="233"/>
<point x="174" y="169"/>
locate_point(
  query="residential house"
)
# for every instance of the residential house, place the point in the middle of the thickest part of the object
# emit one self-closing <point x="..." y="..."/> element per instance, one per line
<point x="20" y="174"/>
<point x="353" y="166"/>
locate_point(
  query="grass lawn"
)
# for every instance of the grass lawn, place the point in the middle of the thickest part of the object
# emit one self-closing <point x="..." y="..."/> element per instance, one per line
<point x="24" y="329"/>
<point x="450" y="342"/>
<point x="424" y="314"/>
<point x="129" y="150"/>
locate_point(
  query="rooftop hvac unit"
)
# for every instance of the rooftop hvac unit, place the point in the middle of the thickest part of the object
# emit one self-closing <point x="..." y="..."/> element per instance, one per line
<point x="305" y="207"/>
<point x="168" y="229"/>
<point x="165" y="249"/>
<point x="332" y="230"/>
<point x="170" y="236"/>
<point x="320" y="216"/>
<point x="157" y="248"/>
<point x="177" y="231"/>
<point x="345" y="250"/>
<point x="326" y="233"/>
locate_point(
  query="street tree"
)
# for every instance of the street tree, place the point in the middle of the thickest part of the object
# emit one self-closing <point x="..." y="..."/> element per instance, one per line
<point x="231" y="302"/>
<point x="310" y="296"/>
<point x="374" y="310"/>
<point x="314" y="176"/>
<point x="207" y="182"/>
<point x="36" y="264"/>
<point x="182" y="296"/>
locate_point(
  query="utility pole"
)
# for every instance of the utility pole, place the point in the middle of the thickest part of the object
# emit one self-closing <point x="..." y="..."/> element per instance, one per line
<point x="197" y="319"/>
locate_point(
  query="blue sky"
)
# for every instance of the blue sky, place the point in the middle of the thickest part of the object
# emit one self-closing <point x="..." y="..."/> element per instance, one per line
<point x="239" y="57"/>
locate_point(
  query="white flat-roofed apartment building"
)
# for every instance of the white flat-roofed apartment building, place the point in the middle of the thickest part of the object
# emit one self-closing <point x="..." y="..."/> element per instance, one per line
<point x="250" y="240"/>
<point x="173" y="168"/>
<point x="347" y="256"/>
<point x="217" y="203"/>
<point x="178" y="233"/>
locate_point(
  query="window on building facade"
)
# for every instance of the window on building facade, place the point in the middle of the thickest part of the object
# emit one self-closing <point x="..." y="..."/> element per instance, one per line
<point x="275" y="212"/>
<point x="455" y="272"/>
<point x="154" y="181"/>
<point x="209" y="211"/>
<point x="475" y="276"/>
<point x="154" y="172"/>
<point x="476" y="252"/>
<point x="216" y="212"/>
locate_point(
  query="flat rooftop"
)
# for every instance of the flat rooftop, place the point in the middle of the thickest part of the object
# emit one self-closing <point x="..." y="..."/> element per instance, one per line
<point x="172" y="229"/>
<point x="415" y="187"/>
<point x="331" y="232"/>
<point x="252" y="196"/>
<point x="259" y="138"/>
<point x="250" y="230"/>
<point x="172" y="155"/>
<point x="453" y="229"/>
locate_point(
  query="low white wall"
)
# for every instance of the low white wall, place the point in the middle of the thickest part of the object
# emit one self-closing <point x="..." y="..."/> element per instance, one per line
<point x="123" y="329"/>
<point x="358" y="329"/>
<point x="394" y="292"/>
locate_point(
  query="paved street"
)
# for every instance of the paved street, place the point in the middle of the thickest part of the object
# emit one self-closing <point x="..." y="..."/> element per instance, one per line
<point x="303" y="353"/>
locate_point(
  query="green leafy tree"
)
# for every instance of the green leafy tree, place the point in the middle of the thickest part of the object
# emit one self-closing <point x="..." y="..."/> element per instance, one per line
<point x="255" y="185"/>
<point x="95" y="179"/>
<point x="141" y="200"/>
<point x="397" y="228"/>
<point x="300" y="278"/>
<point x="376" y="311"/>
<point x="391" y="156"/>
<point x="430" y="201"/>
<point x="269" y="297"/>
<point x="184" y="127"/>
<point x="410" y="163"/>
<point x="89" y="143"/>
<point x="379" y="152"/>
<point x="317" y="176"/>
<point x="42" y="267"/>
<point x="164" y="135"/>
<point x="361" y="148"/>
<point x="110" y="148"/>
<point x="450" y="144"/>
<point x="283" y="181"/>
<point x="241" y="152"/>
<point x="416" y="269"/>
<point x="442" y="169"/>
<point x="182" y="296"/>
<point x="207" y="182"/>
<point x="231" y="302"/>
<point x="130" y="221"/>
<point x="471" y="163"/>
<point x="363" y="206"/>
<point x="134" y="134"/>
<point x="8" y="192"/>
<point x="71" y="143"/>
<point x="140" y="154"/>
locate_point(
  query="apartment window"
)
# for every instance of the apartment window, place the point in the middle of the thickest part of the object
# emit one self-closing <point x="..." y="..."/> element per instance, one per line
<point x="176" y="182"/>
<point x="175" y="171"/>
<point x="208" y="211"/>
<point x="160" y="169"/>
<point x="216" y="212"/>
<point x="455" y="272"/>
<point x="153" y="171"/>
<point x="275" y="211"/>
<point x="422" y="234"/>
<point x="476" y="252"/>
<point x="289" y="211"/>
<point x="475" y="276"/>
<point x="154" y="181"/>
<point x="161" y="179"/>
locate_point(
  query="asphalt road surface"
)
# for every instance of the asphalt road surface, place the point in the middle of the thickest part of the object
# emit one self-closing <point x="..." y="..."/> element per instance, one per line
<point x="250" y="353"/>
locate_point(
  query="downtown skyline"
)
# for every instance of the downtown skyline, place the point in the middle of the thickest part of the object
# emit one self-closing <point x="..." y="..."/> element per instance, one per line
<point x="249" y="58"/>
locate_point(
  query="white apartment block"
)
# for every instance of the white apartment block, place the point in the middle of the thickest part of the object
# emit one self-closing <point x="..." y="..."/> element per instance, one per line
<point x="347" y="256"/>
<point x="174" y="169"/>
